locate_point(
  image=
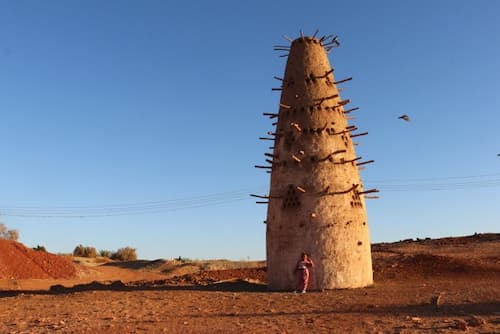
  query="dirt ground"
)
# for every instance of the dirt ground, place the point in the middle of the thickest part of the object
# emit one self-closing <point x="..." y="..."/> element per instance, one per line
<point x="448" y="285"/>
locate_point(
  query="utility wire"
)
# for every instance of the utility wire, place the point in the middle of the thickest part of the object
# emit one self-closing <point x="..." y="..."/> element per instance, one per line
<point x="218" y="199"/>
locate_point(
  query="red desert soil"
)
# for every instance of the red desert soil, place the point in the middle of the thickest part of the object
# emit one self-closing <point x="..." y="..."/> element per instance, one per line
<point x="448" y="285"/>
<point x="19" y="262"/>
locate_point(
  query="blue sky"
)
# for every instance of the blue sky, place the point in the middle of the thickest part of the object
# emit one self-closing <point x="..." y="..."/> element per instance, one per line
<point x="136" y="123"/>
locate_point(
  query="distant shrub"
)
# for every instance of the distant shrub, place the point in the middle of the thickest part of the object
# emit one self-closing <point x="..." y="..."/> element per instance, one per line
<point x="84" y="251"/>
<point x="105" y="253"/>
<point x="125" y="254"/>
<point x="8" y="234"/>
<point x="39" y="248"/>
<point x="13" y="234"/>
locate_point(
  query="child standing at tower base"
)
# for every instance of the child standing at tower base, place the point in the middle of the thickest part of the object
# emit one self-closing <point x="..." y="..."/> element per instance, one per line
<point x="302" y="272"/>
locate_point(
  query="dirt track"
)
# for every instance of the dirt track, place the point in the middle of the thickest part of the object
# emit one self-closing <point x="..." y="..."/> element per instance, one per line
<point x="409" y="277"/>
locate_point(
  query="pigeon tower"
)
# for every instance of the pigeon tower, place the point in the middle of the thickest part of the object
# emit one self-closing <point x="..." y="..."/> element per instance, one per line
<point x="316" y="201"/>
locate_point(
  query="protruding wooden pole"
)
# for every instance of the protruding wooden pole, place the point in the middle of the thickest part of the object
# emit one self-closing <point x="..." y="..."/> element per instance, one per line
<point x="341" y="81"/>
<point x="365" y="162"/>
<point x="302" y="190"/>
<point x="359" y="134"/>
<point x="350" y="110"/>
<point x="368" y="191"/>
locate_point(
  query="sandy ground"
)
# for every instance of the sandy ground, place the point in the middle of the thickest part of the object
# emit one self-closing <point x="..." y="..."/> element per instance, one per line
<point x="431" y="286"/>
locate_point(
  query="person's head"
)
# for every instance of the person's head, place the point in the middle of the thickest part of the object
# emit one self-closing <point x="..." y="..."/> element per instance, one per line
<point x="303" y="255"/>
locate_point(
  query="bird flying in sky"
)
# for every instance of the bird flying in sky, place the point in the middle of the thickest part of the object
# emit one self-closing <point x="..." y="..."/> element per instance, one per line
<point x="405" y="117"/>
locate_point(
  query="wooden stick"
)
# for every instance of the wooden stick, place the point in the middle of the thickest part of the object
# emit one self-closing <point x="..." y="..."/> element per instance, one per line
<point x="341" y="81"/>
<point x="258" y="202"/>
<point x="296" y="126"/>
<point x="269" y="161"/>
<point x="359" y="134"/>
<point x="349" y="110"/>
<point x="294" y="157"/>
<point x="315" y="33"/>
<point x="287" y="38"/>
<point x="259" y="196"/>
<point x="333" y="41"/>
<point x="326" y="98"/>
<point x="270" y="114"/>
<point x="265" y="138"/>
<point x="332" y="154"/>
<point x="343" y="103"/>
<point x="325" y="37"/>
<point x="338" y="133"/>
<point x="324" y="75"/>
<point x="354" y="186"/>
<point x="347" y="161"/>
<point x="365" y="162"/>
<point x="368" y="191"/>
<point x="278" y="78"/>
<point x="285" y="106"/>
<point x="283" y="56"/>
<point x="269" y="155"/>
<point x="265" y="167"/>
<point x="281" y="88"/>
<point x="302" y="190"/>
<point x="265" y="196"/>
<point x="371" y="197"/>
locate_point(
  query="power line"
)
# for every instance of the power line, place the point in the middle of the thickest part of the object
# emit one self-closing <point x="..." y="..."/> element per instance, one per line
<point x="123" y="213"/>
<point x="126" y="209"/>
<point x="218" y="199"/>
<point x="436" y="178"/>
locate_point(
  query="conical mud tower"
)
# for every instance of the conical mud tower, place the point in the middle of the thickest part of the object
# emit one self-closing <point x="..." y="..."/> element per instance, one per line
<point x="316" y="200"/>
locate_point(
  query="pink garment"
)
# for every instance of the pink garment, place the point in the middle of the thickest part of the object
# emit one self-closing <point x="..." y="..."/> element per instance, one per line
<point x="302" y="273"/>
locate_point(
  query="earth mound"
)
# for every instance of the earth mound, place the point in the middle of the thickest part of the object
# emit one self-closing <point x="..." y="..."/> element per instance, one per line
<point x="20" y="262"/>
<point x="213" y="276"/>
<point x="418" y="265"/>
